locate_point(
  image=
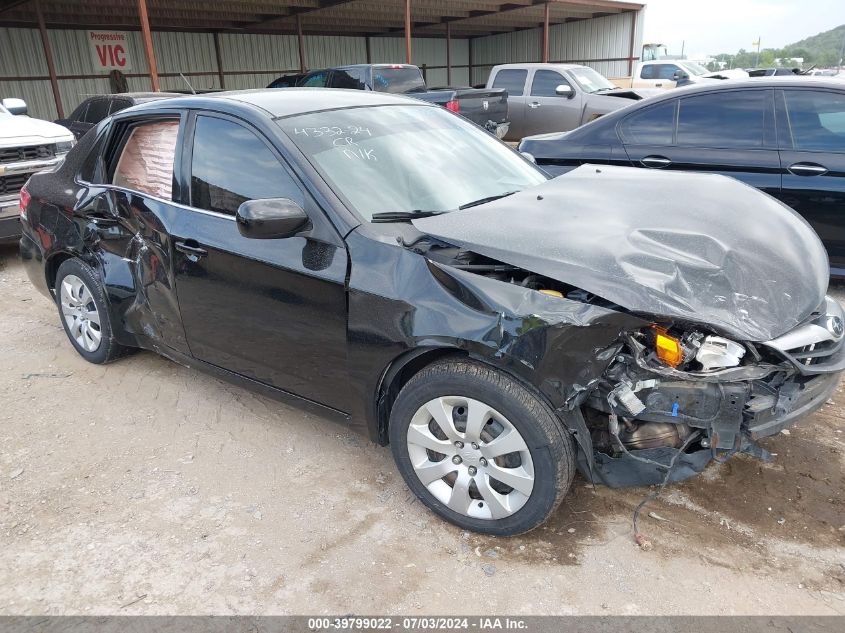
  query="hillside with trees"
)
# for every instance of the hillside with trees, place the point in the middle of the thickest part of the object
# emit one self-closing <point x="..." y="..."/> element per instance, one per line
<point x="823" y="50"/>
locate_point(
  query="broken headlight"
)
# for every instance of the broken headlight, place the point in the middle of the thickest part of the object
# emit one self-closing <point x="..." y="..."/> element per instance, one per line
<point x="692" y="351"/>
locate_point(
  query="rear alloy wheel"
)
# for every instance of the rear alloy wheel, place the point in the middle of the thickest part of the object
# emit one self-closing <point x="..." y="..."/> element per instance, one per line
<point x="480" y="448"/>
<point x="80" y="313"/>
<point x="84" y="312"/>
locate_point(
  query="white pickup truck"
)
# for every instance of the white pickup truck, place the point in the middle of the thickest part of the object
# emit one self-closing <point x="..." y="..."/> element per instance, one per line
<point x="669" y="73"/>
<point x="27" y="145"/>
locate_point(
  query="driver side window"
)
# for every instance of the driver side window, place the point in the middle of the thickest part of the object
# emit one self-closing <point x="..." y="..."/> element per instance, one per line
<point x="230" y="164"/>
<point x="545" y="82"/>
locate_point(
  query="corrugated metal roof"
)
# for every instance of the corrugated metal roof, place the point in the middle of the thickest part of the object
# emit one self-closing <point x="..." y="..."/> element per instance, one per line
<point x="468" y="18"/>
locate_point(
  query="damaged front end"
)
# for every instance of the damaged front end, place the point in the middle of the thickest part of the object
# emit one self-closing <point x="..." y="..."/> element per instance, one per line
<point x="684" y="396"/>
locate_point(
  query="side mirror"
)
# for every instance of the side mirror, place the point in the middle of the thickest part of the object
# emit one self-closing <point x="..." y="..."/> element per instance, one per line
<point x="15" y="106"/>
<point x="269" y="219"/>
<point x="529" y="157"/>
<point x="564" y="91"/>
<point x="680" y="75"/>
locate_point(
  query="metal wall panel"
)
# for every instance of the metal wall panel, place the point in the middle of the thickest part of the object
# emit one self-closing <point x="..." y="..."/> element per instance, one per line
<point x="581" y="42"/>
<point x="258" y="52"/>
<point x="37" y="94"/>
<point x="21" y="53"/>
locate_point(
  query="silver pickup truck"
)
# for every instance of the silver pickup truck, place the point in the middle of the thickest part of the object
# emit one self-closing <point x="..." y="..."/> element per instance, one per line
<point x="26" y="146"/>
<point x="557" y="97"/>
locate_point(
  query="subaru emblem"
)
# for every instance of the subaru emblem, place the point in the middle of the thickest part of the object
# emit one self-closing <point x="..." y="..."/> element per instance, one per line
<point x="835" y="326"/>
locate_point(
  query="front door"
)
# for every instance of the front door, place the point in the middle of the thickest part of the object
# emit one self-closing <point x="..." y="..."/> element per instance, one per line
<point x="547" y="111"/>
<point x="513" y="80"/>
<point x="812" y="140"/>
<point x="273" y="310"/>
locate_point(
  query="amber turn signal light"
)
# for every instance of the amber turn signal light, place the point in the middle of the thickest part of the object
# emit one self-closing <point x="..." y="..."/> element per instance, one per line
<point x="668" y="349"/>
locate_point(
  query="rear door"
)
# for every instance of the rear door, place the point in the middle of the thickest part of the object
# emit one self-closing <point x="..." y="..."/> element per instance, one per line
<point x="272" y="310"/>
<point x="812" y="141"/>
<point x="728" y="132"/>
<point x="547" y="111"/>
<point x="514" y="81"/>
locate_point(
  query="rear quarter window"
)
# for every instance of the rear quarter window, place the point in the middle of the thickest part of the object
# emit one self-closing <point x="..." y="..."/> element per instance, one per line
<point x="146" y="160"/>
<point x="512" y="80"/>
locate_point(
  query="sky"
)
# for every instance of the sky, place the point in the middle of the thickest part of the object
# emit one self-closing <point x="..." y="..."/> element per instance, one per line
<point x="724" y="26"/>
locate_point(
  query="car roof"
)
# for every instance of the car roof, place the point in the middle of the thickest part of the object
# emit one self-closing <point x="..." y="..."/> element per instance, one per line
<point x="136" y="96"/>
<point x="539" y="65"/>
<point x="291" y="101"/>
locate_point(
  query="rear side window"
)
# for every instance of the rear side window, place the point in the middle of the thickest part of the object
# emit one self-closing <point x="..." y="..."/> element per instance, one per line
<point x="351" y="78"/>
<point x="231" y="165"/>
<point x="146" y="161"/>
<point x="315" y="80"/>
<point x="545" y="82"/>
<point x="98" y="109"/>
<point x="79" y="113"/>
<point x="651" y="126"/>
<point x="725" y="119"/>
<point x="512" y="80"/>
<point x="119" y="104"/>
<point x="816" y="119"/>
<point x="648" y="71"/>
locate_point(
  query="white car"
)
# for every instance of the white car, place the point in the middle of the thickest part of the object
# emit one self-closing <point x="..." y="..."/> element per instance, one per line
<point x="27" y="145"/>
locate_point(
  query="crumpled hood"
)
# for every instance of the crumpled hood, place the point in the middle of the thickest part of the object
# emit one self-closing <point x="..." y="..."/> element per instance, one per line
<point x="699" y="247"/>
<point x="24" y="130"/>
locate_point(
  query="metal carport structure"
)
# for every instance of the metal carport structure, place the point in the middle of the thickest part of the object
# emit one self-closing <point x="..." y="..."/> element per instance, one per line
<point x="243" y="43"/>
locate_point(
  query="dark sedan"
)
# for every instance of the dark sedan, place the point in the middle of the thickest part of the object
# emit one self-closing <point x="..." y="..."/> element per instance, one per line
<point x="783" y="135"/>
<point x="393" y="266"/>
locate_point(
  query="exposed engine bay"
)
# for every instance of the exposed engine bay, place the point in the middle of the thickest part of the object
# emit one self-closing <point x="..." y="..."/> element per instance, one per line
<point x="678" y="393"/>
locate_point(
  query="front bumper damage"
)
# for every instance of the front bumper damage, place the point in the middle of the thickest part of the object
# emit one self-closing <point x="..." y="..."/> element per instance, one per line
<point x="653" y="408"/>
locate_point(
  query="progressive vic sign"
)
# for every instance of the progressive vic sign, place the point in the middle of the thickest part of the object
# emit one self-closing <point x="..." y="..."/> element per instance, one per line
<point x="109" y="50"/>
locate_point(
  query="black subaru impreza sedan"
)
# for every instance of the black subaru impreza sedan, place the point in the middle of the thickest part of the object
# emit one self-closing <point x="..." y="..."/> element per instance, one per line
<point x="399" y="269"/>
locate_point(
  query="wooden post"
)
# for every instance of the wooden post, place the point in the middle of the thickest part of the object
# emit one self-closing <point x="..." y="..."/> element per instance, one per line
<point x="219" y="57"/>
<point x="407" y="31"/>
<point x="546" y="33"/>
<point x="448" y="53"/>
<point x="301" y="41"/>
<point x="48" y="53"/>
<point x="148" y="44"/>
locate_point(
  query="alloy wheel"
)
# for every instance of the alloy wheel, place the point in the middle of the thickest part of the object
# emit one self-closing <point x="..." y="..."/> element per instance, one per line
<point x="470" y="457"/>
<point x="80" y="313"/>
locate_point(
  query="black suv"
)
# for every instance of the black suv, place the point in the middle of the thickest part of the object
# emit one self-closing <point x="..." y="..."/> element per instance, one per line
<point x="783" y="135"/>
<point x="96" y="108"/>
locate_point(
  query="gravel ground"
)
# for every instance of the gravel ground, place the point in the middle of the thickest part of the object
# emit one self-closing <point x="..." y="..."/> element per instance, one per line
<point x="144" y="487"/>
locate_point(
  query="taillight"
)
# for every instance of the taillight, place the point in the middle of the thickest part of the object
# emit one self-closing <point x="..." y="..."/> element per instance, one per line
<point x="24" y="202"/>
<point x="453" y="106"/>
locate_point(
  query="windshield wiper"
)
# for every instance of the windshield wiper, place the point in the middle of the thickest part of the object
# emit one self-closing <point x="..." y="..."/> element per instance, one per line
<point x="403" y="216"/>
<point x="475" y="203"/>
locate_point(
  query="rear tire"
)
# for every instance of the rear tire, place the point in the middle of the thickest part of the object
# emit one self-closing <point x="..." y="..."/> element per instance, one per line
<point x="83" y="311"/>
<point x="480" y="449"/>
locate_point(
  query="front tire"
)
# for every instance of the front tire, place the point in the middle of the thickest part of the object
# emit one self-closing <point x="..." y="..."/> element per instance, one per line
<point x="480" y="449"/>
<point x="84" y="313"/>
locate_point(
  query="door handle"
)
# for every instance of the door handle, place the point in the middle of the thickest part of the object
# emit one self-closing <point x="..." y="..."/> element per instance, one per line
<point x="656" y="161"/>
<point x="534" y="104"/>
<point x="807" y="169"/>
<point x="191" y="248"/>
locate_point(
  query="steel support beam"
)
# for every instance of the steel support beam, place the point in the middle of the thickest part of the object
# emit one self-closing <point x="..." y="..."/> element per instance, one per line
<point x="148" y="44"/>
<point x="633" y="38"/>
<point x="301" y="42"/>
<point x="48" y="54"/>
<point x="546" y="33"/>
<point x="219" y="57"/>
<point x="448" y="54"/>
<point x="407" y="31"/>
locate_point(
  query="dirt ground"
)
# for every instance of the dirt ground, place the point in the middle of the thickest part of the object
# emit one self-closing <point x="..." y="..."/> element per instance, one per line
<point x="144" y="487"/>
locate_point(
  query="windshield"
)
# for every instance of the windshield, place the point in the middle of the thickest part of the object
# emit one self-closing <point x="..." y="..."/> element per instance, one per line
<point x="590" y="80"/>
<point x="398" y="79"/>
<point x="407" y="158"/>
<point x="694" y="69"/>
